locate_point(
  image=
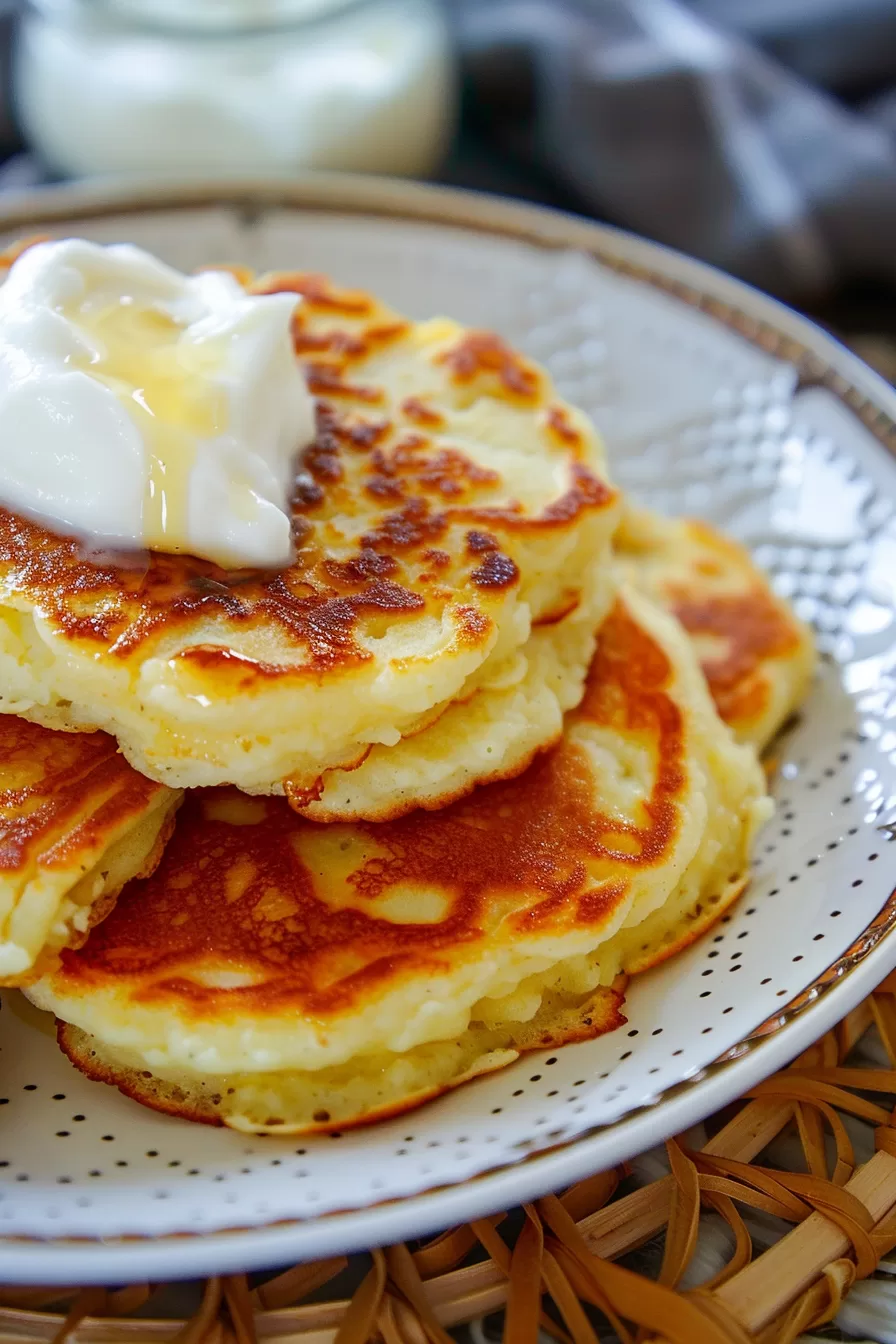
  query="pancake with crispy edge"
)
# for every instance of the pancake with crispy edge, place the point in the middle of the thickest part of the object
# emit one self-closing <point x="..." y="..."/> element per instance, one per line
<point x="757" y="656"/>
<point x="279" y="976"/>
<point x="491" y="733"/>
<point x="449" y="500"/>
<point x="76" y="823"/>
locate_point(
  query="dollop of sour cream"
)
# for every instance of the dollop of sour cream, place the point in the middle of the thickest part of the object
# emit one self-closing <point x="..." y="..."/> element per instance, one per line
<point x="141" y="407"/>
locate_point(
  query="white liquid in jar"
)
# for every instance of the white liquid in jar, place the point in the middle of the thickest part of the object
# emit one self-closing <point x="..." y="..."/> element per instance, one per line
<point x="239" y="86"/>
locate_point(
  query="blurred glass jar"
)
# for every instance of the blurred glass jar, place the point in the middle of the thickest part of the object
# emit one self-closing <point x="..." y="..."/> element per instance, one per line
<point x="235" y="86"/>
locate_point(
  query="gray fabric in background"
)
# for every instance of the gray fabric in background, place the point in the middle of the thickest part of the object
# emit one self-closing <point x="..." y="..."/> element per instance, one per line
<point x="668" y="121"/>
<point x="757" y="134"/>
<point x="845" y="45"/>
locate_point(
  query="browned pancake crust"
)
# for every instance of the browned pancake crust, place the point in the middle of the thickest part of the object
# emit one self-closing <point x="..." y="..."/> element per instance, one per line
<point x="755" y="653"/>
<point x="46" y="781"/>
<point x="47" y="962"/>
<point x="756" y="627"/>
<point x="522" y="844"/>
<point x="599" y="1014"/>
<point x="423" y="497"/>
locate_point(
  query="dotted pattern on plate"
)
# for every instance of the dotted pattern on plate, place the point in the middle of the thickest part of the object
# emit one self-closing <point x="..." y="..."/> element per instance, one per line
<point x="697" y="420"/>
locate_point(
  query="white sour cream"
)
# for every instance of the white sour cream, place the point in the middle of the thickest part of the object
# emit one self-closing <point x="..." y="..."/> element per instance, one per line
<point x="140" y="407"/>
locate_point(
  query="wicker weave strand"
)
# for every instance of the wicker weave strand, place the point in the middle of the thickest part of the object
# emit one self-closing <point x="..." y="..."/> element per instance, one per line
<point x="843" y="1216"/>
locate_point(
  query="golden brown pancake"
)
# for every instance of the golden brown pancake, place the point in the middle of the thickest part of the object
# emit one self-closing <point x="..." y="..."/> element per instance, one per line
<point x="274" y="974"/>
<point x="758" y="658"/>
<point x="76" y="823"/>
<point x="449" y="501"/>
<point x="492" y="733"/>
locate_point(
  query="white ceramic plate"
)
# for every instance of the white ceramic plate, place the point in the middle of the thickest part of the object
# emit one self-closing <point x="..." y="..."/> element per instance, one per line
<point x="714" y="401"/>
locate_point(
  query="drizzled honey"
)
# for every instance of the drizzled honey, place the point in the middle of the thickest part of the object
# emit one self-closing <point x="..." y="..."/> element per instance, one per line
<point x="168" y="387"/>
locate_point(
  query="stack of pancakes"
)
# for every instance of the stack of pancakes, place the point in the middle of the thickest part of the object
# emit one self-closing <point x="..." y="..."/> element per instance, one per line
<point x="290" y="851"/>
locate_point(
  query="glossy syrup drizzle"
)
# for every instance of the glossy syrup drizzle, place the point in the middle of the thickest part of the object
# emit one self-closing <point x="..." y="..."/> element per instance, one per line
<point x="168" y="388"/>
